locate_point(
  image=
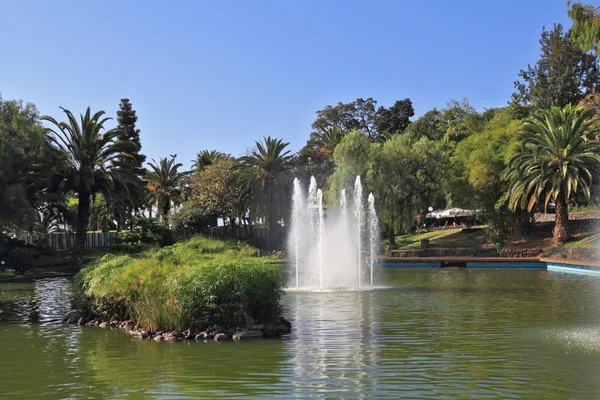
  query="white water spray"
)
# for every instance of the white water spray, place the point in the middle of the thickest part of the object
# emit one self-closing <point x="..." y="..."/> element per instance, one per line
<point x="359" y="211"/>
<point x="373" y="224"/>
<point x="329" y="247"/>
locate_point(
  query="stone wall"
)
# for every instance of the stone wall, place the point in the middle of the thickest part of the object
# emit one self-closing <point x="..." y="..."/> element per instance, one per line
<point x="551" y="217"/>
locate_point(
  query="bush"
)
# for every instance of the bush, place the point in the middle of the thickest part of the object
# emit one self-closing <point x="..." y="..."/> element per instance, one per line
<point x="146" y="232"/>
<point x="20" y="260"/>
<point x="190" y="220"/>
<point x="193" y="284"/>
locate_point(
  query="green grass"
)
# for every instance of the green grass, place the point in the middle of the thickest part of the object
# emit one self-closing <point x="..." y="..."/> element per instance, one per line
<point x="584" y="240"/>
<point x="196" y="283"/>
<point x="592" y="209"/>
<point x="447" y="238"/>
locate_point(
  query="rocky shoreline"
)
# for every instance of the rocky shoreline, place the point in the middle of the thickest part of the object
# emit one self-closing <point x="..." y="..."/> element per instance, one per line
<point x="214" y="333"/>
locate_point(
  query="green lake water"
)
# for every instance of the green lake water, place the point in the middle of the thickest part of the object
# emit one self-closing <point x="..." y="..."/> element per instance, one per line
<point x="431" y="333"/>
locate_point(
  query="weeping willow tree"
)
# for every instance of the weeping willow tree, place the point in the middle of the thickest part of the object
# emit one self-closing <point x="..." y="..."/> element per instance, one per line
<point x="559" y="151"/>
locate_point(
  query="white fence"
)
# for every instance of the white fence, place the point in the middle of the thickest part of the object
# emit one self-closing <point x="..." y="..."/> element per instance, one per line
<point x="64" y="241"/>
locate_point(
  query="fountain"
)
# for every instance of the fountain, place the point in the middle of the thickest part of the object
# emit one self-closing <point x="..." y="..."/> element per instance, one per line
<point x="333" y="249"/>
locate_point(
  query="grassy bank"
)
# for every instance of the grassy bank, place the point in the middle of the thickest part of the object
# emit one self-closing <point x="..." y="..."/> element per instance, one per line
<point x="193" y="284"/>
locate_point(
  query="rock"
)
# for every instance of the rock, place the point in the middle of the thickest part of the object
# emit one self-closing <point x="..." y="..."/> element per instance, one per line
<point x="249" y="321"/>
<point x="190" y="334"/>
<point x="221" y="336"/>
<point x="270" y="330"/>
<point x="258" y="327"/>
<point x="158" y="338"/>
<point x="230" y="331"/>
<point x="103" y="324"/>
<point x="80" y="321"/>
<point x="92" y="323"/>
<point x="247" y="335"/>
<point x="284" y="326"/>
<point x="136" y="334"/>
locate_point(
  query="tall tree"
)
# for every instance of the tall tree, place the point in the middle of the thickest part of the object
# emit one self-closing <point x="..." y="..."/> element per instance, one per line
<point x="405" y="176"/>
<point x="206" y="158"/>
<point x="559" y="151"/>
<point x="265" y="176"/>
<point x="126" y="119"/>
<point x="586" y="26"/>
<point x="130" y="162"/>
<point x="562" y="75"/>
<point x="165" y="181"/>
<point x="90" y="154"/>
<point x="214" y="191"/>
<point x="394" y="119"/>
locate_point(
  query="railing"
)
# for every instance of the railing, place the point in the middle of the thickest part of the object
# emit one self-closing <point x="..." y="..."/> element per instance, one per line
<point x="441" y="253"/>
<point x="244" y="232"/>
<point x="65" y="241"/>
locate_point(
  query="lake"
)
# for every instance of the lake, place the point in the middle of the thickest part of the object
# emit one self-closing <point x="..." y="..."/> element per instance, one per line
<point x="428" y="333"/>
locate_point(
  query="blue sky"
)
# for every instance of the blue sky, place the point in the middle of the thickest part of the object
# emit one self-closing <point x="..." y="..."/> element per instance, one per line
<point x="222" y="74"/>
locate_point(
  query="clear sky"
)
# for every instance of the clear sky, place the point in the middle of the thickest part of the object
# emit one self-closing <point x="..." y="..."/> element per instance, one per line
<point x="222" y="74"/>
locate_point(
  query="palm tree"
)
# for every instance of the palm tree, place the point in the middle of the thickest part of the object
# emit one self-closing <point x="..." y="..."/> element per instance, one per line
<point x="265" y="178"/>
<point x="331" y="137"/>
<point x="206" y="158"/>
<point x="89" y="155"/>
<point x="559" y="150"/>
<point x="165" y="180"/>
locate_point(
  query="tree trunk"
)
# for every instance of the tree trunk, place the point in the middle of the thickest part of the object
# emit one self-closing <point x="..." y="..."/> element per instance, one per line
<point x="391" y="239"/>
<point x="83" y="217"/>
<point x="561" y="229"/>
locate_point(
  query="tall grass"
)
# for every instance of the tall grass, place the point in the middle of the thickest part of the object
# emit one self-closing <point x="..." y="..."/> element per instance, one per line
<point x="192" y="284"/>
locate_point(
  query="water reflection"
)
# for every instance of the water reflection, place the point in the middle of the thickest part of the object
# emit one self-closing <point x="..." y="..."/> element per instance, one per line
<point x="434" y="333"/>
<point x="334" y="343"/>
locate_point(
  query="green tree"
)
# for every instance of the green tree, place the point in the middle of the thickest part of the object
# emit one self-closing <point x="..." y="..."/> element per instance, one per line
<point x="206" y="158"/>
<point x="395" y="119"/>
<point x="479" y="160"/>
<point x="351" y="158"/>
<point x="554" y="163"/>
<point x="28" y="165"/>
<point x="131" y="162"/>
<point x="563" y="74"/>
<point x="165" y="181"/>
<point x="264" y="175"/>
<point x="90" y="154"/>
<point x="405" y="177"/>
<point x="586" y="26"/>
<point x="214" y="191"/>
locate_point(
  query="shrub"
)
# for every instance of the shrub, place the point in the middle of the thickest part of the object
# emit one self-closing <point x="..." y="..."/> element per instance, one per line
<point x="193" y="284"/>
<point x="146" y="232"/>
<point x="20" y="260"/>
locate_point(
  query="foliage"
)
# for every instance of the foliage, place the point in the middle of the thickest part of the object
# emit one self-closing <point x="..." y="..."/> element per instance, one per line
<point x="405" y="176"/>
<point x="145" y="232"/>
<point x="563" y="74"/>
<point x="479" y="160"/>
<point x="206" y="158"/>
<point x="193" y="284"/>
<point x="214" y="191"/>
<point x="555" y="161"/>
<point x="165" y="180"/>
<point x="89" y="156"/>
<point x="190" y="220"/>
<point x="586" y="26"/>
<point x="27" y="166"/>
<point x="264" y="175"/>
<point x="363" y="114"/>
<point x="20" y="260"/>
<point x="126" y="204"/>
<point x="351" y="158"/>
